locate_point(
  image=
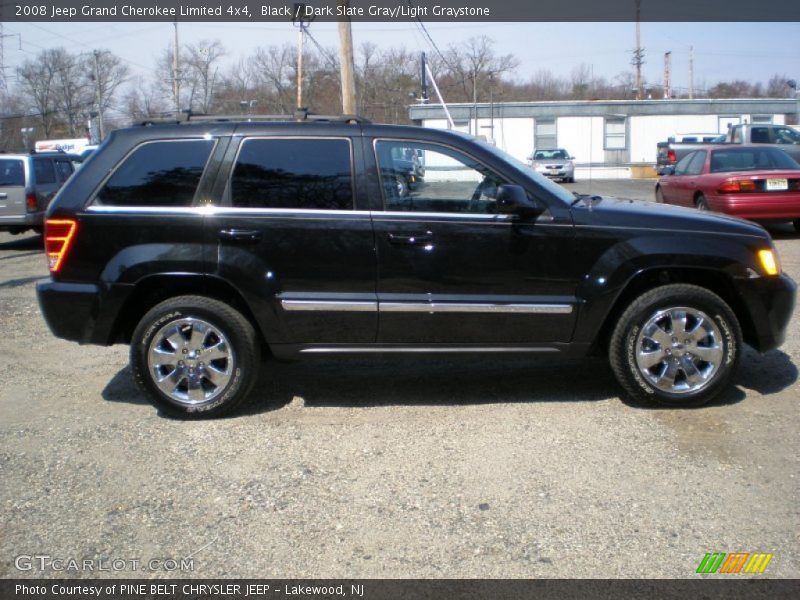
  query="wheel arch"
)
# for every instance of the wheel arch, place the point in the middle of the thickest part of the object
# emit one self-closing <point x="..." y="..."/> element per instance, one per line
<point x="154" y="289"/>
<point x="717" y="282"/>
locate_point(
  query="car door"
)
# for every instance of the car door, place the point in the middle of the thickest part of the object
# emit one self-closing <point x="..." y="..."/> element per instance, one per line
<point x="684" y="182"/>
<point x="452" y="270"/>
<point x="290" y="237"/>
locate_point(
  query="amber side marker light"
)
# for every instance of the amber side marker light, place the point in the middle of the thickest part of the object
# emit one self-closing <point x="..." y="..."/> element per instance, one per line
<point x="769" y="262"/>
<point x="58" y="236"/>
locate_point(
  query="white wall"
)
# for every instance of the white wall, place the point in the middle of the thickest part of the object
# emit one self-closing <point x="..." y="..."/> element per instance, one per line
<point x="582" y="137"/>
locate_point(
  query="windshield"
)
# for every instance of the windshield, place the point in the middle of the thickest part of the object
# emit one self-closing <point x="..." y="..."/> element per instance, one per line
<point x="549" y="154"/>
<point x="751" y="159"/>
<point x="524" y="170"/>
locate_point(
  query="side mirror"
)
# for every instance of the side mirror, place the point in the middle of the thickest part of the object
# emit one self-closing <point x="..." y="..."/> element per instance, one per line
<point x="512" y="200"/>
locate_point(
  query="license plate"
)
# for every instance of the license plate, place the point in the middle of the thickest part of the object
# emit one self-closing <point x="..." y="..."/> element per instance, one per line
<point x="774" y="185"/>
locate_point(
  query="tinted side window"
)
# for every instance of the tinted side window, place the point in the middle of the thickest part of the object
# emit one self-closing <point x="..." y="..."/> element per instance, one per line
<point x="12" y="172"/>
<point x="64" y="168"/>
<point x="293" y="173"/>
<point x="696" y="165"/>
<point x="43" y="171"/>
<point x="158" y="174"/>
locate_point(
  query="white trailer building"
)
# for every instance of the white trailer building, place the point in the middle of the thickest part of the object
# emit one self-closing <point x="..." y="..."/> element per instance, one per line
<point x="608" y="138"/>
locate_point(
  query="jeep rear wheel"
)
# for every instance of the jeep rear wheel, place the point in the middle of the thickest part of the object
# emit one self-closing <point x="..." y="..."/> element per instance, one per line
<point x="676" y="345"/>
<point x="195" y="356"/>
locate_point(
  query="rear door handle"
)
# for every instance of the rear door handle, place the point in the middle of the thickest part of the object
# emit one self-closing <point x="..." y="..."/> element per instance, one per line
<point x="413" y="239"/>
<point x="241" y="236"/>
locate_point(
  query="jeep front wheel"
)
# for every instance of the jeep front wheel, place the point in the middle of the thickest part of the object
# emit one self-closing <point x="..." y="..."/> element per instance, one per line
<point x="195" y="356"/>
<point x="676" y="345"/>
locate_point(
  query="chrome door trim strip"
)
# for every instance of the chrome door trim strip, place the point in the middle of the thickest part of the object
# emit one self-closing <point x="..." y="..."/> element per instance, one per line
<point x="456" y="307"/>
<point x="226" y="210"/>
<point x="329" y="306"/>
<point x="424" y="349"/>
<point x="424" y="307"/>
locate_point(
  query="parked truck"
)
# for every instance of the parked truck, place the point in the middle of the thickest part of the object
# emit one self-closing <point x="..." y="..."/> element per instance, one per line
<point x="676" y="147"/>
<point x="784" y="137"/>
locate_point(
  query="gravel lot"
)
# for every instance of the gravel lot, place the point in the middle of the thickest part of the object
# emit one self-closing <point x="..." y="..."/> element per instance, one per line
<point x="480" y="467"/>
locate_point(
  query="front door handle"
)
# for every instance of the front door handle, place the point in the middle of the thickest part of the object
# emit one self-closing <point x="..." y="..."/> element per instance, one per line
<point x="413" y="239"/>
<point x="241" y="236"/>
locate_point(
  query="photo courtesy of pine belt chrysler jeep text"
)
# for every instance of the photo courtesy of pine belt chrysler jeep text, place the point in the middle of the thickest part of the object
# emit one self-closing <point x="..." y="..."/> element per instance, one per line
<point x="209" y="242"/>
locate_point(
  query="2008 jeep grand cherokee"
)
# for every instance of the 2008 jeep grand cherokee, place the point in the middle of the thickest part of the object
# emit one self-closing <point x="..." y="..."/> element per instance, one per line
<point x="205" y="243"/>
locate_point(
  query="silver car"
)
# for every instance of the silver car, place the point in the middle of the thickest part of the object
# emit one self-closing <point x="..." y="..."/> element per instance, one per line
<point x="27" y="184"/>
<point x="556" y="163"/>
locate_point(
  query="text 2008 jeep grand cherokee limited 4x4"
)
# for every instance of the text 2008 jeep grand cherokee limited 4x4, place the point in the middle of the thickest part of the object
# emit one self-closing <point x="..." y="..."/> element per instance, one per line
<point x="205" y="243"/>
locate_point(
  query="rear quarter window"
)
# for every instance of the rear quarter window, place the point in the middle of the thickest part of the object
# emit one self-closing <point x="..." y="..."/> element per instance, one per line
<point x="12" y="172"/>
<point x="43" y="171"/>
<point x="161" y="173"/>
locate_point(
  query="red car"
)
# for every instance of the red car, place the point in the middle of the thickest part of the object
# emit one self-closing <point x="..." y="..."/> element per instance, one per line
<point x="759" y="183"/>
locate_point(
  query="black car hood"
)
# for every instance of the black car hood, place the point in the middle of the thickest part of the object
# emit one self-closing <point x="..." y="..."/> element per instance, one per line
<point x="608" y="211"/>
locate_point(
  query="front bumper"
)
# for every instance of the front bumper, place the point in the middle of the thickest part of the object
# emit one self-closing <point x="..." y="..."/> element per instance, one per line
<point x="770" y="302"/>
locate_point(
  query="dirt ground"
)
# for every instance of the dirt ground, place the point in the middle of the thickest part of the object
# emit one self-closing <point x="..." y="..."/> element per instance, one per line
<point x="428" y="467"/>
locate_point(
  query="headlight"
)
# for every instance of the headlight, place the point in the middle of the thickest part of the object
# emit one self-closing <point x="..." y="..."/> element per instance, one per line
<point x="768" y="259"/>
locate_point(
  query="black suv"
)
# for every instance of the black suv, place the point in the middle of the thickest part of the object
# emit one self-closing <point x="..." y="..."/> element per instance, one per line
<point x="205" y="243"/>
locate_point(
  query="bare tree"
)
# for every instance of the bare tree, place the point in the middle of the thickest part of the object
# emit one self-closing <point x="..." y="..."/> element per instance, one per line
<point x="143" y="100"/>
<point x="107" y="73"/>
<point x="474" y="65"/>
<point x="275" y="70"/>
<point x="37" y="81"/>
<point x="71" y="91"/>
<point x="201" y="66"/>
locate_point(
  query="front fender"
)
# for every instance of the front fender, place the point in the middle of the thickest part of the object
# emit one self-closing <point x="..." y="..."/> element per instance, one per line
<point x="663" y="258"/>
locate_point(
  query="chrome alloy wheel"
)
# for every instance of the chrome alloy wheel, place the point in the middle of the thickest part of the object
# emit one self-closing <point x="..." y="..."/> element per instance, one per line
<point x="679" y="350"/>
<point x="190" y="361"/>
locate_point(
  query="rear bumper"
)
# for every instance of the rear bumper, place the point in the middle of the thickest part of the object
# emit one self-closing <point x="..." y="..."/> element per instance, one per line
<point x="770" y="302"/>
<point x="758" y="207"/>
<point x="34" y="219"/>
<point x="80" y="312"/>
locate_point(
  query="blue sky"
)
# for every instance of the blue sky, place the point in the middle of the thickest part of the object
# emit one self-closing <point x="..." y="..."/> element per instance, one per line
<point x="722" y="51"/>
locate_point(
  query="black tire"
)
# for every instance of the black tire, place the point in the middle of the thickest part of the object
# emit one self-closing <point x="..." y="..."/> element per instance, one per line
<point x="638" y="327"/>
<point x="224" y="337"/>
<point x="659" y="195"/>
<point x="700" y="202"/>
<point x="796" y="224"/>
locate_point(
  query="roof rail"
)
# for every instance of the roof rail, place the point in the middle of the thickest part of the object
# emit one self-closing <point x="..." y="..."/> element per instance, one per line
<point x="299" y="115"/>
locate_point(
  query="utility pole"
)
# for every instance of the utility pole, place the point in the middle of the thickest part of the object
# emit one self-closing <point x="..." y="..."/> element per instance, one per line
<point x="668" y="74"/>
<point x="423" y="81"/>
<point x="3" y="36"/>
<point x="346" y="63"/>
<point x="176" y="82"/>
<point x="3" y="86"/>
<point x="300" y="19"/>
<point x="98" y="95"/>
<point x="638" y="53"/>
<point x="691" y="72"/>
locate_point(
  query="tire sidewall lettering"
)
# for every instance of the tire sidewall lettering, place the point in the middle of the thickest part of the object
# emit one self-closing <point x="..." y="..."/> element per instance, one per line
<point x="630" y="356"/>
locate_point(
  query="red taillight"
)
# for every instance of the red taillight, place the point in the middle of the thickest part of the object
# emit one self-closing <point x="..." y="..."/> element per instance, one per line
<point x="736" y="186"/>
<point x="671" y="156"/>
<point x="31" y="202"/>
<point x="58" y="236"/>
